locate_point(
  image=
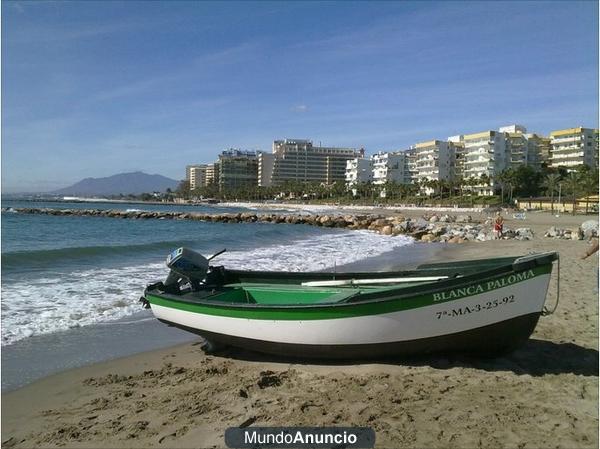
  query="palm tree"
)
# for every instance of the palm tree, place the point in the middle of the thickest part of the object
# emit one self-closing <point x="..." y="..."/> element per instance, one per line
<point x="573" y="186"/>
<point x="411" y="189"/>
<point x="589" y="186"/>
<point x="418" y="185"/>
<point x="451" y="183"/>
<point x="471" y="182"/>
<point x="507" y="179"/>
<point x="433" y="185"/>
<point x="502" y="178"/>
<point x="510" y="180"/>
<point x="485" y="180"/>
<point x="460" y="183"/>
<point x="441" y="185"/>
<point x="550" y="185"/>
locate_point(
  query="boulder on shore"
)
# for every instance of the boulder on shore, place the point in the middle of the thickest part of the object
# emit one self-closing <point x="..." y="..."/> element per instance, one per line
<point x="590" y="228"/>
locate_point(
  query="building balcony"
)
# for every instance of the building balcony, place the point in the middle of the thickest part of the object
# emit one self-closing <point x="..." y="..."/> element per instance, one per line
<point x="478" y="153"/>
<point x="577" y="155"/>
<point x="478" y="162"/>
<point x="566" y="163"/>
<point x="567" y="139"/>
<point x="478" y="171"/>
<point x="478" y="143"/>
<point x="566" y="148"/>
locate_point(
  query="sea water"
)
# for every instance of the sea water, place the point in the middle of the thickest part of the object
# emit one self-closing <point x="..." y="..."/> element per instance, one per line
<point x="67" y="272"/>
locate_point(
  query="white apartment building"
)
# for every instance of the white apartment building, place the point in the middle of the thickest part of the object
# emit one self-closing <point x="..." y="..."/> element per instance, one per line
<point x="574" y="147"/>
<point x="358" y="170"/>
<point x="434" y="162"/>
<point x="539" y="149"/>
<point x="517" y="147"/>
<point x="523" y="149"/>
<point x="459" y="155"/>
<point x="212" y="174"/>
<point x="485" y="154"/>
<point x="196" y="175"/>
<point x="411" y="155"/>
<point x="391" y="166"/>
<point x="513" y="129"/>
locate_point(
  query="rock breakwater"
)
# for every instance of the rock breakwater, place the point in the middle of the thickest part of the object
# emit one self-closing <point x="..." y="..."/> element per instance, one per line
<point x="431" y="228"/>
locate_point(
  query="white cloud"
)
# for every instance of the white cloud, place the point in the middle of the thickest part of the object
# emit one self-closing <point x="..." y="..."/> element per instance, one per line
<point x="300" y="108"/>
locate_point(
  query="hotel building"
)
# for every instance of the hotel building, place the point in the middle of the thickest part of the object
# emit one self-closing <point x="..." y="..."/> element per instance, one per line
<point x="237" y="169"/>
<point x="573" y="147"/>
<point x="298" y="160"/>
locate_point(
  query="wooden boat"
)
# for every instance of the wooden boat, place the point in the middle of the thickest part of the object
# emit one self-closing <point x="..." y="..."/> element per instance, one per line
<point x="487" y="307"/>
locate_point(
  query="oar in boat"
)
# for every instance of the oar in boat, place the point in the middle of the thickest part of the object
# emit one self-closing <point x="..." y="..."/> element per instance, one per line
<point x="372" y="281"/>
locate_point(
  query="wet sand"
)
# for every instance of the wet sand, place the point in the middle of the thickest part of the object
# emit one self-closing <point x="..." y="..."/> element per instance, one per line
<point x="545" y="394"/>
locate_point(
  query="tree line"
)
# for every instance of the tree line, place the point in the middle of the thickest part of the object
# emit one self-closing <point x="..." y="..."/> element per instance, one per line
<point x="513" y="183"/>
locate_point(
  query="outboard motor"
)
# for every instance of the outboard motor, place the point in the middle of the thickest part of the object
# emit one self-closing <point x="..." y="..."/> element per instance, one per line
<point x="188" y="264"/>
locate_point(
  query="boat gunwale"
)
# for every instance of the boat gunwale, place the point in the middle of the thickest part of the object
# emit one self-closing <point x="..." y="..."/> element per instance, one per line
<point x="390" y="295"/>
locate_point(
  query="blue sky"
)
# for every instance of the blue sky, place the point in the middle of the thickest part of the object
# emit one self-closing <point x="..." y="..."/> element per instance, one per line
<point x="98" y="88"/>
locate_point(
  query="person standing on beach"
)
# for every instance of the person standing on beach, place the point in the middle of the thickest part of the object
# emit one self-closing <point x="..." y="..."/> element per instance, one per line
<point x="498" y="226"/>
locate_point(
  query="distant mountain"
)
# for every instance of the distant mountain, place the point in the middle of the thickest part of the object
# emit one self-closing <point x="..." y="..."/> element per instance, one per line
<point x="125" y="183"/>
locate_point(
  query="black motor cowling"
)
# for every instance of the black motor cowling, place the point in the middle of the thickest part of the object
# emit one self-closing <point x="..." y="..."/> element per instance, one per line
<point x="192" y="267"/>
<point x="187" y="264"/>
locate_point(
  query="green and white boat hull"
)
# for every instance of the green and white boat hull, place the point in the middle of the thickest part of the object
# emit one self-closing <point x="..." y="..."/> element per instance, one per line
<point x="486" y="315"/>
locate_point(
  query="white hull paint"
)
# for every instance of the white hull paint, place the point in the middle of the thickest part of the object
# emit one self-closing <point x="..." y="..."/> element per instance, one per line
<point x="529" y="297"/>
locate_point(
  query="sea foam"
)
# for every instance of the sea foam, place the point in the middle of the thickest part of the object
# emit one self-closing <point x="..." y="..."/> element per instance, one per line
<point x="90" y="296"/>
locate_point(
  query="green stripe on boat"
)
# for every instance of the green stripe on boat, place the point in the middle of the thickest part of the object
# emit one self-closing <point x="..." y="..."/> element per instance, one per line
<point x="350" y="309"/>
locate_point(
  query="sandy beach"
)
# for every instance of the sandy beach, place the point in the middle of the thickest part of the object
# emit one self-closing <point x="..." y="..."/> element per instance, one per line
<point x="545" y="394"/>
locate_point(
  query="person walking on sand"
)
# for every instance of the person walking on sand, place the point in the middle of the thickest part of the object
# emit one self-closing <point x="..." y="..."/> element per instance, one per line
<point x="498" y="225"/>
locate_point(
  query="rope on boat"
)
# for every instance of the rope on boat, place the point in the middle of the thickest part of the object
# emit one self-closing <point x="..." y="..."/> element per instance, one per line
<point x="547" y="311"/>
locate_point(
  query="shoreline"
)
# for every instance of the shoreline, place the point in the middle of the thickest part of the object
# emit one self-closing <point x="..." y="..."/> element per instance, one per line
<point x="544" y="394"/>
<point x="60" y="351"/>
